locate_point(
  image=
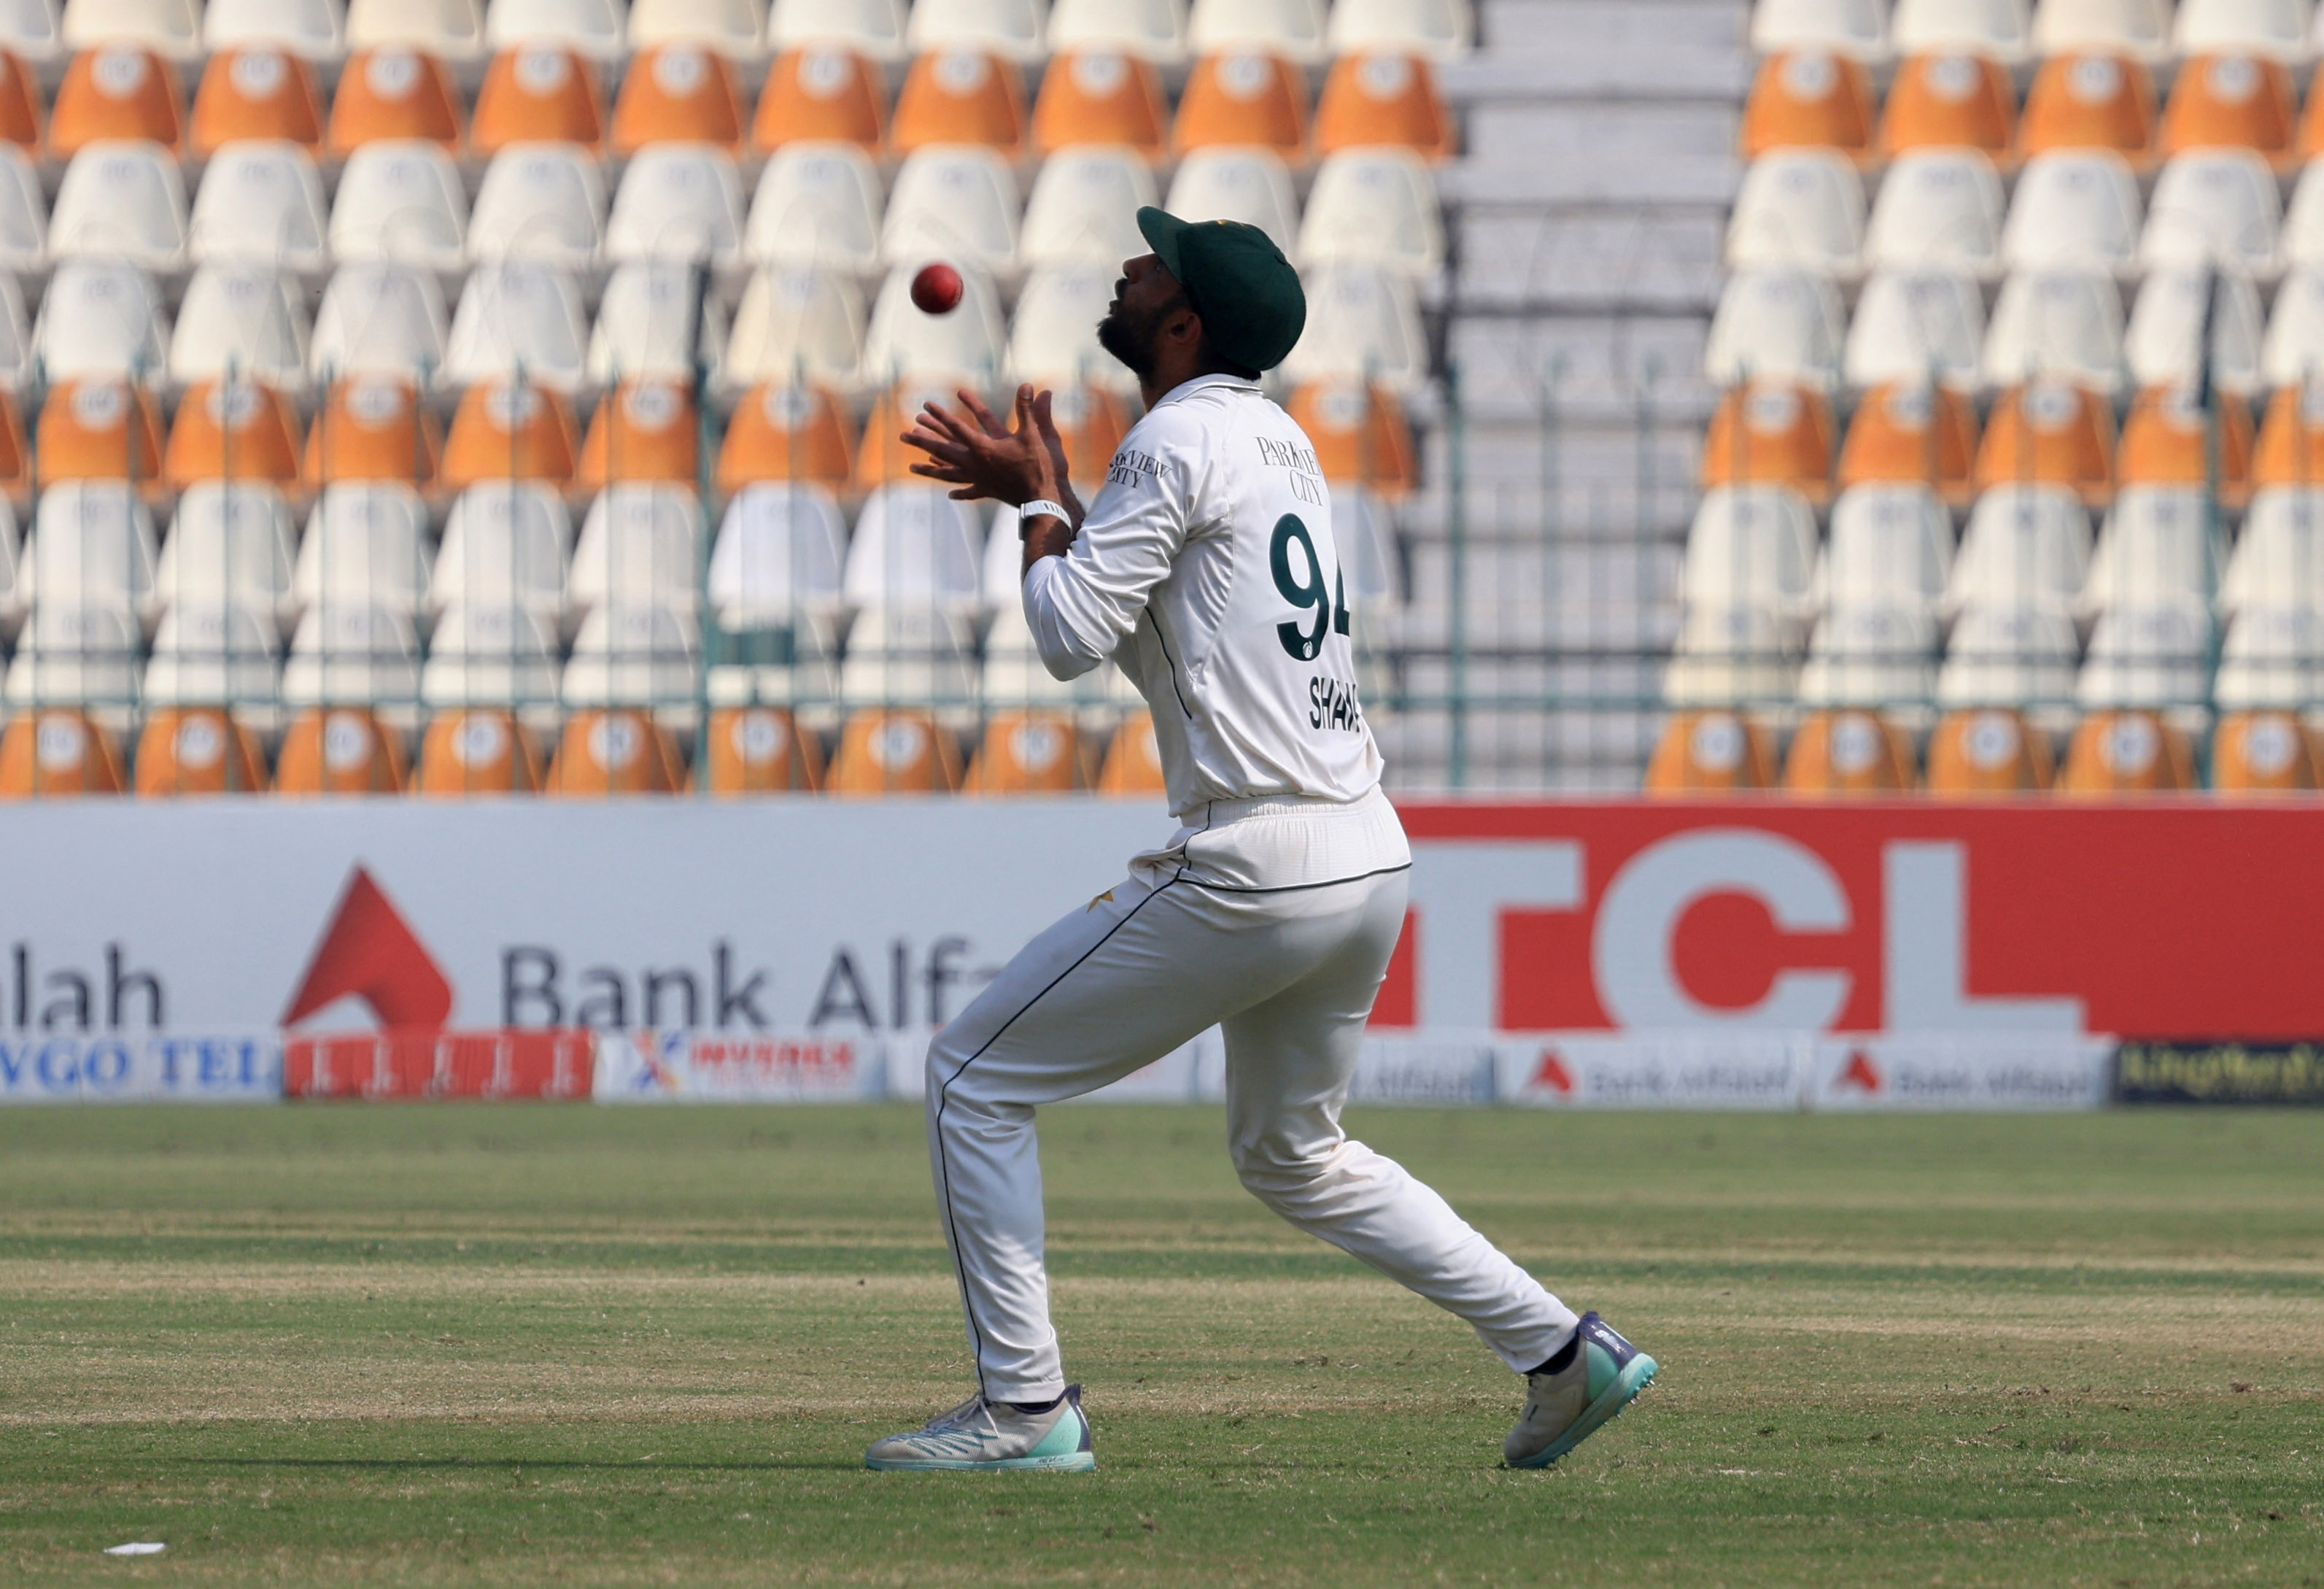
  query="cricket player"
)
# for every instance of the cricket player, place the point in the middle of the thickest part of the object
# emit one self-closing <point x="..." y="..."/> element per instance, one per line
<point x="1207" y="571"/>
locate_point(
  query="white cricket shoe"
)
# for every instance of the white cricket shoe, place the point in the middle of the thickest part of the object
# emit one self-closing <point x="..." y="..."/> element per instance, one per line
<point x="993" y="1435"/>
<point x="1566" y="1408"/>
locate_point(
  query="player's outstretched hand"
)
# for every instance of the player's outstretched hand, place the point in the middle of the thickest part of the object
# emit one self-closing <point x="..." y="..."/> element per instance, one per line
<point x="972" y="452"/>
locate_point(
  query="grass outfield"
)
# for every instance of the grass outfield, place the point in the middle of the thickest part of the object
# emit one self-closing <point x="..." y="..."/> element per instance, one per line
<point x="514" y="1344"/>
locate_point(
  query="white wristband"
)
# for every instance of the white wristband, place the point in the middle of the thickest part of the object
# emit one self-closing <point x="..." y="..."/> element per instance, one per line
<point x="1041" y="508"/>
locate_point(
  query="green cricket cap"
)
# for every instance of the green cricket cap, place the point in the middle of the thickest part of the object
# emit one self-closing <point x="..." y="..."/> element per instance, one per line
<point x="1235" y="277"/>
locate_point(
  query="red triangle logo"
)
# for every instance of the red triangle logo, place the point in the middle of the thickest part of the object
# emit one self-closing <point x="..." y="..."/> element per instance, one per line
<point x="1552" y="1073"/>
<point x="1860" y="1072"/>
<point x="370" y="951"/>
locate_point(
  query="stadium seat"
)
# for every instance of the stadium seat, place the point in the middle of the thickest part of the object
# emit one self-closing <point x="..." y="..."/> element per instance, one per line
<point x="2278" y="558"/>
<point x="230" y="543"/>
<point x="340" y="751"/>
<point x="918" y="655"/>
<point x="1775" y="326"/>
<point x="380" y="319"/>
<point x="1359" y="434"/>
<point x="2025" y="545"/>
<point x="1101" y="97"/>
<point x="1378" y="207"/>
<point x="915" y="546"/>
<point x="1711" y="752"/>
<point x="448" y="29"/>
<point x="2266" y="754"/>
<point x="1152" y="29"/>
<point x="215" y="655"/>
<point x="537" y="94"/>
<point x="1291" y="28"/>
<point x="1850" y="752"/>
<point x="961" y="97"/>
<point x="1255" y="100"/>
<point x="1798" y="208"/>
<point x="2303" y="222"/>
<point x="2158" y="547"/>
<point x="871" y="28"/>
<point x="2019" y="657"/>
<point x="1384" y="100"/>
<point x="818" y="204"/>
<point x="2276" y="29"/>
<point x="1769" y="433"/>
<point x="1938" y="209"/>
<point x="1985" y="750"/>
<point x="651" y="321"/>
<point x="1133" y="759"/>
<point x="401" y="200"/>
<point x="1363" y="324"/>
<point x="1436" y="30"/>
<point x="1872" y="657"/>
<point x="641" y="542"/>
<point x="261" y="202"/>
<point x="58" y="753"/>
<point x="172" y="29"/>
<point x="777" y="560"/>
<point x="677" y="201"/>
<point x="759" y="750"/>
<point x="1858" y="28"/>
<point x="1013" y="678"/>
<point x="1364" y="527"/>
<point x="956" y="203"/>
<point x="78" y="652"/>
<point x="2139" y="29"/>
<point x="471" y="751"/>
<point x="1912" y="432"/>
<point x="2049" y="433"/>
<point x="367" y="546"/>
<point x="613" y="753"/>
<point x="241" y="322"/>
<point x="2215" y="207"/>
<point x="881" y="456"/>
<point x="507" y="544"/>
<point x="904" y="342"/>
<point x="1083" y="208"/>
<point x="780" y="431"/>
<point x="121" y="201"/>
<point x="821" y="94"/>
<point x="678" y="93"/>
<point x="1234" y="184"/>
<point x="894" y="750"/>
<point x="2000" y="28"/>
<point x="23" y="216"/>
<point x="1809" y="97"/>
<point x="2168" y="440"/>
<point x="491" y="655"/>
<point x="115" y="95"/>
<point x="15" y="480"/>
<point x="596" y="29"/>
<point x="519" y="322"/>
<point x="20" y="102"/>
<point x="197" y="750"/>
<point x="1091" y="422"/>
<point x="353" y="652"/>
<point x="2290" y="450"/>
<point x="644" y="430"/>
<point x="632" y="653"/>
<point x="99" y="427"/>
<point x="232" y="428"/>
<point x="92" y="548"/>
<point x="797" y="326"/>
<point x="1011" y="29"/>
<point x="1891" y="545"/>
<point x="1950" y="101"/>
<point x="393" y="95"/>
<point x="2274" y="659"/>
<point x="1751" y="546"/>
<point x="505" y="433"/>
<point x="2235" y="101"/>
<point x="2075" y="209"/>
<point x="255" y="94"/>
<point x="1027" y="754"/>
<point x="1914" y="326"/>
<point x="313" y="30"/>
<point x="2089" y="99"/>
<point x="2163" y="345"/>
<point x="2127" y="752"/>
<point x="17" y="346"/>
<point x="544" y="202"/>
<point x="2055" y="324"/>
<point x="2156" y="657"/>
<point x="32" y="31"/>
<point x="1052" y="335"/>
<point x="736" y="28"/>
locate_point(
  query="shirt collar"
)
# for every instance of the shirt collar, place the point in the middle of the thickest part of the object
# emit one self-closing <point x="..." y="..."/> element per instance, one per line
<point x="1216" y="378"/>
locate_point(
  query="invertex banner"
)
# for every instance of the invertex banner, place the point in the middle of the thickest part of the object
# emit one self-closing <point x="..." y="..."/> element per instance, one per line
<point x="1736" y="955"/>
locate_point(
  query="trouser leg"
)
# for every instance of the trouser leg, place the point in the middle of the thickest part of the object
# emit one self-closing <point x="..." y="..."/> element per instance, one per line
<point x="1289" y="1063"/>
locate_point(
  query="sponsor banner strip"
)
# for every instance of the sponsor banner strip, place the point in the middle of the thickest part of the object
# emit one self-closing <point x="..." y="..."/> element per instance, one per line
<point x="2220" y="1072"/>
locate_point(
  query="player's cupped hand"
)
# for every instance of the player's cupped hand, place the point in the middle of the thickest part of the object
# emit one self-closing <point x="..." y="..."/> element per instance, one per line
<point x="972" y="450"/>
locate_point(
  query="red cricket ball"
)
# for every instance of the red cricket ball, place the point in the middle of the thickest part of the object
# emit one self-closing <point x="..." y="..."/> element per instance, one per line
<point x="937" y="290"/>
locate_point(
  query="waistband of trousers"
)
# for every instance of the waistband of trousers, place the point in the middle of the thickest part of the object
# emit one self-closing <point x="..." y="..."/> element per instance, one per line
<point x="1217" y="813"/>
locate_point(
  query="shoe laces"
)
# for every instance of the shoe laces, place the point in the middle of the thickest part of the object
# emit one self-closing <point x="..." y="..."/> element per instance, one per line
<point x="969" y="1413"/>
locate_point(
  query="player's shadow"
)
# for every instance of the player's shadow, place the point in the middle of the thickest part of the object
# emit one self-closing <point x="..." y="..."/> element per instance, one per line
<point x="406" y="1463"/>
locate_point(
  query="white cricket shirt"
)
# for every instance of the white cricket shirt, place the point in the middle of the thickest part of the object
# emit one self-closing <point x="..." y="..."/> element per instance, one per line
<point x="1207" y="570"/>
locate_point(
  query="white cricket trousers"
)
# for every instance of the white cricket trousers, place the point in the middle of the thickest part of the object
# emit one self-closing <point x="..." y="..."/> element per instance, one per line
<point x="1272" y="918"/>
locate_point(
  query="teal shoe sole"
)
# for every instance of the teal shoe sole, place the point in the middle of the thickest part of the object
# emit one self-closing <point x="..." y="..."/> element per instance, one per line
<point x="1071" y="1462"/>
<point x="1636" y="1376"/>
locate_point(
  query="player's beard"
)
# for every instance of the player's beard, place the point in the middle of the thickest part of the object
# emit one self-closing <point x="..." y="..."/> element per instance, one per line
<point x="1131" y="336"/>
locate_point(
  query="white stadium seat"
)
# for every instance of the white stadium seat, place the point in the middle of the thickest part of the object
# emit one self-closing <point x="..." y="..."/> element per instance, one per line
<point x="380" y="319"/>
<point x="1234" y="184"/>
<point x="2273" y="657"/>
<point x="1014" y="30"/>
<point x="171" y="29"/>
<point x="2075" y="209"/>
<point x="449" y="30"/>
<point x="869" y="27"/>
<point x="2140" y="29"/>
<point x="955" y="202"/>
<point x="243" y="320"/>
<point x="2025" y="545"/>
<point x="2277" y="29"/>
<point x="261" y="203"/>
<point x="1362" y="323"/>
<point x="816" y="204"/>
<point x="1870" y="655"/>
<point x="1378" y="205"/>
<point x="2215" y="208"/>
<point x="798" y="326"/>
<point x="507" y="543"/>
<point x="651" y="321"/>
<point x="1084" y="207"/>
<point x="2152" y="657"/>
<point x="1891" y="545"/>
<point x="1775" y="326"/>
<point x="32" y="29"/>
<point x="400" y="199"/>
<point x="366" y="544"/>
<point x="1798" y="208"/>
<point x="632" y="653"/>
<point x="2062" y="323"/>
<point x="1433" y="30"/>
<point x="1366" y="538"/>
<point x="911" y="655"/>
<point x="490" y="656"/>
<point x="735" y="28"/>
<point x="77" y="654"/>
<point x="915" y="547"/>
<point x="1292" y="29"/>
<point x="1013" y="674"/>
<point x="92" y="546"/>
<point x="679" y="201"/>
<point x="348" y="651"/>
<point x="2163" y="345"/>
<point x="1848" y="27"/>
<point x="639" y="542"/>
<point x="517" y="317"/>
<point x="1052" y="335"/>
<point x="2009" y="656"/>
<point x="598" y="29"/>
<point x="1732" y="657"/>
<point x="1751" y="546"/>
<point x="2303" y="224"/>
<point x="544" y="202"/>
<point x="121" y="200"/>
<point x="778" y="558"/>
<point x="101" y="318"/>
<point x="1153" y="29"/>
<point x="24" y="214"/>
<point x="904" y="342"/>
<point x="2279" y="559"/>
<point x="1937" y="209"/>
<point x="1998" y="27"/>
<point x="315" y="30"/>
<point x="2159" y="545"/>
<point x="16" y="343"/>
<point x="229" y="541"/>
<point x="215" y="653"/>
<point x="1915" y="325"/>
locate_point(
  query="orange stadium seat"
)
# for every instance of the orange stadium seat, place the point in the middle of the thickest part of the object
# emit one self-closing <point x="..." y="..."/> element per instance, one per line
<point x="537" y="94"/>
<point x="616" y="750"/>
<point x="198" y="751"/>
<point x="15" y="454"/>
<point x="1133" y="761"/>
<point x="1770" y="432"/>
<point x="678" y="93"/>
<point x="1711" y="752"/>
<point x="1246" y="99"/>
<point x="760" y="749"/>
<point x="238" y="431"/>
<point x="1988" y="751"/>
<point x="961" y="97"/>
<point x="500" y="432"/>
<point x="20" y="102"/>
<point x="2050" y="432"/>
<point x="394" y="93"/>
<point x="1809" y="97"/>
<point x="1950" y="102"/>
<point x="2167" y="441"/>
<point x="2090" y="102"/>
<point x="58" y="753"/>
<point x="1101" y="96"/>
<point x="2312" y="122"/>
<point x="785" y="432"/>
<point x="2127" y="752"/>
<point x="2266" y="752"/>
<point x="373" y="428"/>
<point x="1361" y="434"/>
<point x="893" y="749"/>
<point x="2238" y="101"/>
<point x="1850" y="753"/>
<point x="255" y="93"/>
<point x="821" y="94"/>
<point x="1091" y="424"/>
<point x="1027" y="752"/>
<point x="341" y="750"/>
<point x="1907" y="433"/>
<point x="115" y="92"/>
<point x="1384" y="100"/>
<point x="98" y="430"/>
<point x="644" y="430"/>
<point x="881" y="459"/>
<point x="2291" y="440"/>
<point x="478" y="750"/>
